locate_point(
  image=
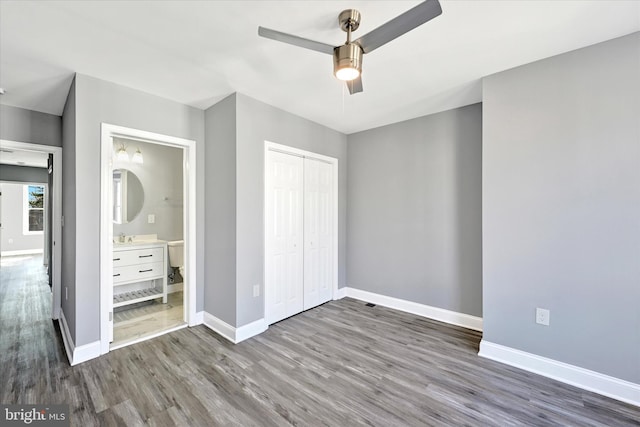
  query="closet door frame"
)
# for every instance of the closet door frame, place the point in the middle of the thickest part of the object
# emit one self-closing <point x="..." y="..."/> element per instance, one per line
<point x="272" y="146"/>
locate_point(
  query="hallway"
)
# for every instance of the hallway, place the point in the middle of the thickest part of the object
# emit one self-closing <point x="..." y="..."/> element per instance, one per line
<point x="29" y="340"/>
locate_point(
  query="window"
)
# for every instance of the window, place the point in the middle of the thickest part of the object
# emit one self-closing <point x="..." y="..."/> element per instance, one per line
<point x="33" y="209"/>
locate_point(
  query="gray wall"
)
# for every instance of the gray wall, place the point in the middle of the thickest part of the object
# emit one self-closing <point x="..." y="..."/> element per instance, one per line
<point x="12" y="237"/>
<point x="561" y="207"/>
<point x="255" y="123"/>
<point x="220" y="176"/>
<point x="18" y="124"/>
<point x="68" y="273"/>
<point x="161" y="178"/>
<point x="98" y="101"/>
<point x="17" y="173"/>
<point x="414" y="219"/>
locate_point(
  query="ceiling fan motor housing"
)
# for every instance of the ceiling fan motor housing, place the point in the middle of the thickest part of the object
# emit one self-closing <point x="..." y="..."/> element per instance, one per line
<point x="347" y="56"/>
<point x="349" y="20"/>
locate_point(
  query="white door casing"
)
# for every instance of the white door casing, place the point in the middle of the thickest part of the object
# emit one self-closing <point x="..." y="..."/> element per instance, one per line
<point x="108" y="132"/>
<point x="57" y="218"/>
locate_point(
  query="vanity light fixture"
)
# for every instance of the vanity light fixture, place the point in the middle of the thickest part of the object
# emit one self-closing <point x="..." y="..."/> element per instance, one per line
<point x="122" y="154"/>
<point x="137" y="157"/>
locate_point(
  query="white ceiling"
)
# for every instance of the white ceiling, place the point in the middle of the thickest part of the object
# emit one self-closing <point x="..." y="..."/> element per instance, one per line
<point x="198" y="52"/>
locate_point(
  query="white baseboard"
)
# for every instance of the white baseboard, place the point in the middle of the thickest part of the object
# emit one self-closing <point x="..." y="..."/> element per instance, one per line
<point x="198" y="319"/>
<point x="175" y="287"/>
<point x="231" y="333"/>
<point x="435" y="313"/>
<point x="221" y="327"/>
<point x="66" y="337"/>
<point x="340" y="293"/>
<point x="79" y="354"/>
<point x="86" y="352"/>
<point x="596" y="382"/>
<point x="250" y="330"/>
<point x="22" y="252"/>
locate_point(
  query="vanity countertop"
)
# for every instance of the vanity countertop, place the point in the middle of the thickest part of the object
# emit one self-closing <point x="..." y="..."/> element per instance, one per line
<point x="117" y="246"/>
<point x="137" y="242"/>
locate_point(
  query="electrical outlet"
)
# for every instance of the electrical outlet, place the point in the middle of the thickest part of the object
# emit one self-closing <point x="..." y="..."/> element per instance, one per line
<point x="151" y="219"/>
<point x="542" y="316"/>
<point x="256" y="290"/>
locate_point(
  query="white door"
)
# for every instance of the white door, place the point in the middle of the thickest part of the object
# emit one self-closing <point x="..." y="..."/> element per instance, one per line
<point x="318" y="232"/>
<point x="284" y="236"/>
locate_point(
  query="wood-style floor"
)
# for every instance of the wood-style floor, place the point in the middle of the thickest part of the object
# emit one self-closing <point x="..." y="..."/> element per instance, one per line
<point x="138" y="321"/>
<point x="341" y="364"/>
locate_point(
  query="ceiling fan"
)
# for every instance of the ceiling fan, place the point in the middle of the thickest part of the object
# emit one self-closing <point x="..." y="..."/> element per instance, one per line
<point x="347" y="58"/>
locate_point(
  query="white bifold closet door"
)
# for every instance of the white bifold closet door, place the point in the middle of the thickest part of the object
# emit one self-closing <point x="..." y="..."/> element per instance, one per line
<point x="299" y="225"/>
<point x="318" y="229"/>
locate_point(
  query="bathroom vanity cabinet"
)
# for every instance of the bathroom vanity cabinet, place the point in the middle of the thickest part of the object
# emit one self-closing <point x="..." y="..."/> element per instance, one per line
<point x="139" y="273"/>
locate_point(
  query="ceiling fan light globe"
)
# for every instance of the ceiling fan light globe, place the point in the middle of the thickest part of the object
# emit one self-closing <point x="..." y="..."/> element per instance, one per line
<point x="347" y="74"/>
<point x="347" y="62"/>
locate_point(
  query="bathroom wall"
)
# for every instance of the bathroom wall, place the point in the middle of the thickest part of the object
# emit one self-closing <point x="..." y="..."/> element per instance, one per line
<point x="162" y="182"/>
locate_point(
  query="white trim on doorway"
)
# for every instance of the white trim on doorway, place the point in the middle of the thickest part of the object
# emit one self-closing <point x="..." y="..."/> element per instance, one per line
<point x="110" y="131"/>
<point x="56" y="280"/>
<point x="22" y="252"/>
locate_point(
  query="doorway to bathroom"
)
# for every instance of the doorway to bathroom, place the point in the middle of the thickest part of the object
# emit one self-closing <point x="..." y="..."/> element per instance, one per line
<point x="147" y="235"/>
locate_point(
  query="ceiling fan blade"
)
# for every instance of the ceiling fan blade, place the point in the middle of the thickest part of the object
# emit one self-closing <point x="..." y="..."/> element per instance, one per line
<point x="295" y="40"/>
<point x="399" y="25"/>
<point x="355" y="85"/>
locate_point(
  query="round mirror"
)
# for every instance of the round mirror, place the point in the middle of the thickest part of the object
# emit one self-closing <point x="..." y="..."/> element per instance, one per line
<point x="128" y="196"/>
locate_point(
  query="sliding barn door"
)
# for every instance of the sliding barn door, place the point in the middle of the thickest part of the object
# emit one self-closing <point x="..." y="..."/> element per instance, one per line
<point x="284" y="236"/>
<point x="318" y="232"/>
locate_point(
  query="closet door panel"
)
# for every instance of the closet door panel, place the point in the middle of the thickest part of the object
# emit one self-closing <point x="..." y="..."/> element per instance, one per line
<point x="311" y="234"/>
<point x="326" y="229"/>
<point x="318" y="227"/>
<point x="284" y="236"/>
